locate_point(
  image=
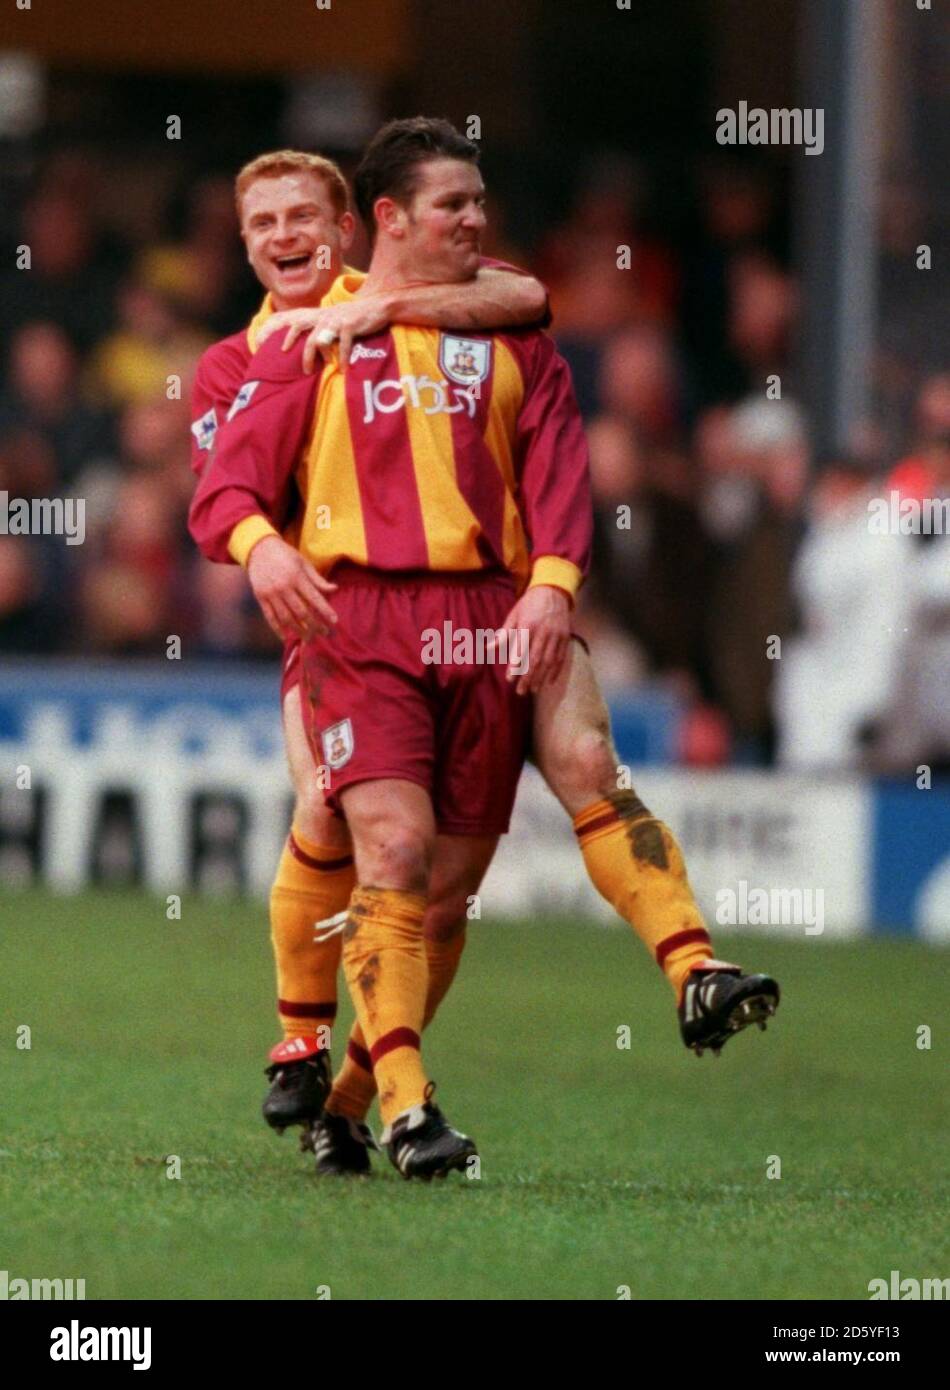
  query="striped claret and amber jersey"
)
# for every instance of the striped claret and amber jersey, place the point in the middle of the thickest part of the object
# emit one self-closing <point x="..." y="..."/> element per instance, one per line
<point x="222" y="368"/>
<point x="435" y="450"/>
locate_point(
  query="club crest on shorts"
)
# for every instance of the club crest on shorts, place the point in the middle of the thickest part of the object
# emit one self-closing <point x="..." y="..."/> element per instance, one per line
<point x="337" y="744"/>
<point x="465" y="360"/>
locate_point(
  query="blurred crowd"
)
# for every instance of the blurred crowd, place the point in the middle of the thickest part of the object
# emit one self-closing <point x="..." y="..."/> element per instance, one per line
<point x="730" y="565"/>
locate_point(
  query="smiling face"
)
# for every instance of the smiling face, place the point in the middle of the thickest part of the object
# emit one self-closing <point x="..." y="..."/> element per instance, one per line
<point x="295" y="237"/>
<point x="442" y="225"/>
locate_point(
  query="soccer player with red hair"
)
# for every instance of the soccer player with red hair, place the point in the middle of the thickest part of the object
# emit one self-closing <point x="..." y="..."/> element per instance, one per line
<point x="295" y="221"/>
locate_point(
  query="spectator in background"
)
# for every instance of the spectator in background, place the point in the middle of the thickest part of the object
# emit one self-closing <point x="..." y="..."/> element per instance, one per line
<point x="737" y="215"/>
<point x="915" y="728"/>
<point x="763" y="304"/>
<point x="33" y="569"/>
<point x="151" y="344"/>
<point x="67" y="282"/>
<point x="619" y="663"/>
<point x="593" y="294"/>
<point x="130" y="598"/>
<point x="836" y="677"/>
<point x="648" y="546"/>
<point x="606" y="600"/>
<point x="640" y="382"/>
<point x="910" y="299"/>
<point x="198" y="274"/>
<point x="151" y="439"/>
<point x="752" y="490"/>
<point x="138" y="579"/>
<point x="25" y="619"/>
<point x="227" y="622"/>
<point x="27" y="463"/>
<point x="606" y="215"/>
<point x="42" y="396"/>
<point x="921" y="471"/>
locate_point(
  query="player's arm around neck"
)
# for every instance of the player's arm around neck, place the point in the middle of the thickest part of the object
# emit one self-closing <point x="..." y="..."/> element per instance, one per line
<point x="496" y="297"/>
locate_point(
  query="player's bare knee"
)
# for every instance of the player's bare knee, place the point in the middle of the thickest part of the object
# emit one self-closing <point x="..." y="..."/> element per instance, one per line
<point x="446" y="918"/>
<point x="584" y="768"/>
<point x="396" y="856"/>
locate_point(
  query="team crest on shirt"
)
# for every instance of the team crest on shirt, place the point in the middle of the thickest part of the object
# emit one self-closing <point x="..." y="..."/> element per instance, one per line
<point x="205" y="429"/>
<point x="465" y="360"/>
<point x="337" y="744"/>
<point x="243" y="398"/>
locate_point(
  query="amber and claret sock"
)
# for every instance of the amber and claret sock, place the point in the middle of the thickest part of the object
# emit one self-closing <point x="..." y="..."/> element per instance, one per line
<point x="384" y="961"/>
<point x="312" y="884"/>
<point x="355" y="1084"/>
<point x="634" y="862"/>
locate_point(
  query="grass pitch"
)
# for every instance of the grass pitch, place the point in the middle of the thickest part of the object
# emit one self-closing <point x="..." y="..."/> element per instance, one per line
<point x="601" y="1167"/>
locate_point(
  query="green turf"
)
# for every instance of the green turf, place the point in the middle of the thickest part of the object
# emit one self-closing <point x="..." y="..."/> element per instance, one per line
<point x="601" y="1167"/>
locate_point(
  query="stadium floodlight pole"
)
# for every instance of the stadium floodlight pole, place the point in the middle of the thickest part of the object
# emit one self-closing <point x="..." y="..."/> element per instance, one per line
<point x="837" y="198"/>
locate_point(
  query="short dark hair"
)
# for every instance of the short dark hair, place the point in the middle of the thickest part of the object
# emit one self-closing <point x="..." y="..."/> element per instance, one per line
<point x="389" y="168"/>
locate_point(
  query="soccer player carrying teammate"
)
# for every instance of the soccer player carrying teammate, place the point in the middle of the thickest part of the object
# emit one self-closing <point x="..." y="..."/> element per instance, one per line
<point x="632" y="858"/>
<point x="295" y="222"/>
<point x="416" y="454"/>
